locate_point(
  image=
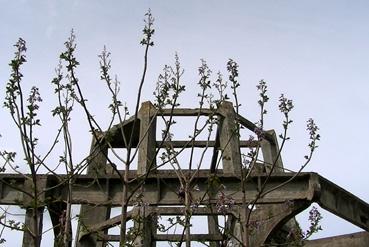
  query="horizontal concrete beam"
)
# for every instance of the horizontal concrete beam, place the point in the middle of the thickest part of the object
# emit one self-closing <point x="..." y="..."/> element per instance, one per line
<point x="359" y="239"/>
<point x="172" y="237"/>
<point x="186" y="112"/>
<point x="161" y="189"/>
<point x="201" y="144"/>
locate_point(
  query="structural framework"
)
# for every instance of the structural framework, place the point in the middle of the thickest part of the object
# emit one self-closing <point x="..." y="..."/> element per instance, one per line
<point x="99" y="190"/>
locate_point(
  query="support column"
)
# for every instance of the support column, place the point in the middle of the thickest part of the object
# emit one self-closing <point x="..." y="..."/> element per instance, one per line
<point x="213" y="223"/>
<point x="270" y="152"/>
<point x="233" y="225"/>
<point x="90" y="215"/>
<point x="33" y="202"/>
<point x="229" y="140"/>
<point x="29" y="223"/>
<point x="213" y="228"/>
<point x="57" y="211"/>
<point x="147" y="141"/>
<point x="145" y="224"/>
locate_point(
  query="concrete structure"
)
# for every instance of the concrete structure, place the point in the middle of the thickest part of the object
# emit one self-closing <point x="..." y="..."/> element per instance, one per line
<point x="285" y="195"/>
<point x="353" y="240"/>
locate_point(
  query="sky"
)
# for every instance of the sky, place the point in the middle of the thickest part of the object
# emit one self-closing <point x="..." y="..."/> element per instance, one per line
<point x="314" y="52"/>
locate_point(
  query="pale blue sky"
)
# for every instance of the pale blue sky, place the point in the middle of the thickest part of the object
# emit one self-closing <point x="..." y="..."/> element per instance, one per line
<point x="316" y="52"/>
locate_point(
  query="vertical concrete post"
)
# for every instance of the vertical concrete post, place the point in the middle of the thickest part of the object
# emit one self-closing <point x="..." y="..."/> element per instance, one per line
<point x="233" y="225"/>
<point x="147" y="141"/>
<point x="213" y="223"/>
<point x="145" y="223"/>
<point x="57" y="211"/>
<point x="270" y="152"/>
<point x="146" y="162"/>
<point x="213" y="228"/>
<point x="34" y="214"/>
<point x="28" y="239"/>
<point x="229" y="140"/>
<point x="90" y="215"/>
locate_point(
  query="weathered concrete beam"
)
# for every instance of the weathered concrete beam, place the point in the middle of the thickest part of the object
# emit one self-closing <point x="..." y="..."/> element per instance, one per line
<point x="203" y="144"/>
<point x="162" y="189"/>
<point x="185" y="112"/>
<point x="251" y="126"/>
<point x="119" y="134"/>
<point x="88" y="189"/>
<point x="172" y="237"/>
<point x="194" y="237"/>
<point x="343" y="204"/>
<point x="108" y="223"/>
<point x="359" y="239"/>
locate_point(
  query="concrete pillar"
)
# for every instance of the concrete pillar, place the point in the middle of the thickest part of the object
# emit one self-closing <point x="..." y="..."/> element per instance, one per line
<point x="229" y="140"/>
<point x="213" y="228"/>
<point x="270" y="152"/>
<point x="29" y="223"/>
<point x="34" y="214"/>
<point x="145" y="223"/>
<point x="57" y="211"/>
<point x="147" y="141"/>
<point x="90" y="215"/>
